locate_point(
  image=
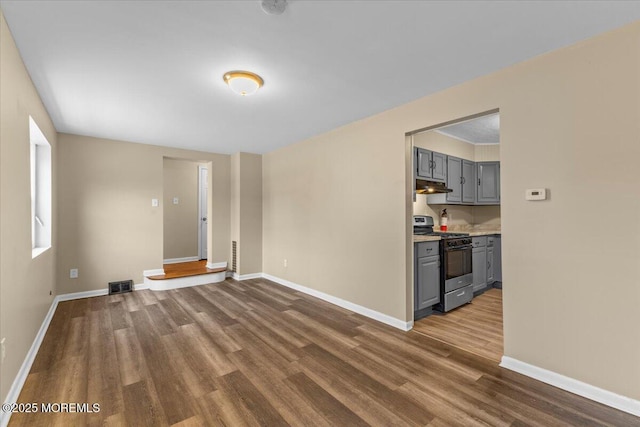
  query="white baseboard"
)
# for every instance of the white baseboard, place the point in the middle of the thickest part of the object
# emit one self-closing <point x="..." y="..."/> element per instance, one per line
<point x="589" y="391"/>
<point x="230" y="274"/>
<point x="80" y="295"/>
<point x="214" y="265"/>
<point x="154" y="272"/>
<point x="21" y="377"/>
<point x="247" y="276"/>
<point x="179" y="260"/>
<point x="367" y="312"/>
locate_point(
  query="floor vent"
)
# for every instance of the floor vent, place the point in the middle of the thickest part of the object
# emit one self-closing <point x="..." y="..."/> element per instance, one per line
<point x="120" y="287"/>
<point x="234" y="256"/>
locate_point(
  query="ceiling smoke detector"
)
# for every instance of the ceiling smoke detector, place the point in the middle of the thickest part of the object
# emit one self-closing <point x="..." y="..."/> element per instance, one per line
<point x="274" y="7"/>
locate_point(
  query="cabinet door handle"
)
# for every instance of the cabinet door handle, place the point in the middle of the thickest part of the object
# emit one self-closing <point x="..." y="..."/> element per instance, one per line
<point x="488" y="264"/>
<point x="478" y="182"/>
<point x="464" y="180"/>
<point x="432" y="163"/>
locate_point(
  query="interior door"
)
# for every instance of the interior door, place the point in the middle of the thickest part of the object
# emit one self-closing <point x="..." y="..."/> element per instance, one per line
<point x="202" y="211"/>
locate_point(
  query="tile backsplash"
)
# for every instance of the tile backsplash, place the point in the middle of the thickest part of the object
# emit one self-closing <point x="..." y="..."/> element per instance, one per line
<point x="460" y="216"/>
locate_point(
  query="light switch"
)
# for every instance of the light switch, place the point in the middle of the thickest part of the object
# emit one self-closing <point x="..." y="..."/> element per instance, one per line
<point x="175" y="200"/>
<point x="154" y="203"/>
<point x="73" y="273"/>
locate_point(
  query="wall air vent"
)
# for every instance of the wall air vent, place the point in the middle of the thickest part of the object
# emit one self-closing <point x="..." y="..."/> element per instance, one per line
<point x="120" y="287"/>
<point x="234" y="256"/>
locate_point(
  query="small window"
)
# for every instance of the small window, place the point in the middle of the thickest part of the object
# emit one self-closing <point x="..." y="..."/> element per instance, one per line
<point x="41" y="218"/>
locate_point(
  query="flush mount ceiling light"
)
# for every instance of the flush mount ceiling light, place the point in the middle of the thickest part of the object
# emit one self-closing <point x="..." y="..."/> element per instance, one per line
<point x="243" y="82"/>
<point x="274" y="7"/>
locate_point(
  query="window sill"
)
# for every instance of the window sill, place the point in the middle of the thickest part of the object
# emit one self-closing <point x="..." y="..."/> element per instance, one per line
<point x="35" y="252"/>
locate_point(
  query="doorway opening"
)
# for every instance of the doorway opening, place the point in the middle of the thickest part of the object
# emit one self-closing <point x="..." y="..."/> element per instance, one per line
<point x="456" y="188"/>
<point x="203" y="219"/>
<point x="185" y="210"/>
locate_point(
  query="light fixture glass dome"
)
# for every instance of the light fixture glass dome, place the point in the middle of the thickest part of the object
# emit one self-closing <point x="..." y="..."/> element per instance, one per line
<point x="243" y="83"/>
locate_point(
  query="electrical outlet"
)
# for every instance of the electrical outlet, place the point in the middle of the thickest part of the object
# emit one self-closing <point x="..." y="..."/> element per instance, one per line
<point x="285" y="262"/>
<point x="73" y="273"/>
<point x="176" y="200"/>
<point x="3" y="351"/>
<point x="154" y="203"/>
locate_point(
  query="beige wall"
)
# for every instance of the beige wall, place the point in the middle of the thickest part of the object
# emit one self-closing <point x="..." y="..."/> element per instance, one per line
<point x="235" y="203"/>
<point x="338" y="207"/>
<point x="25" y="283"/>
<point x="108" y="228"/>
<point x="181" y="221"/>
<point x="486" y="152"/>
<point x="246" y="211"/>
<point x="432" y="140"/>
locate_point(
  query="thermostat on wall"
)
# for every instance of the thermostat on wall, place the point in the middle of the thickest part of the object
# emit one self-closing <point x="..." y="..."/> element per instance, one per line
<point x="536" y="194"/>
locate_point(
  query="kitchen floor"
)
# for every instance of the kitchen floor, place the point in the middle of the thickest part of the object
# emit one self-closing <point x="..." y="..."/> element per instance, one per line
<point x="475" y="327"/>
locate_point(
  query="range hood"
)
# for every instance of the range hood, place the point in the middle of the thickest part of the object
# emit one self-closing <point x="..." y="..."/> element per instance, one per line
<point x="431" y="187"/>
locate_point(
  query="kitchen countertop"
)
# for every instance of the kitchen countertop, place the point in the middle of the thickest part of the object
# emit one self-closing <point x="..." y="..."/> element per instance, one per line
<point x="484" y="233"/>
<point x="472" y="233"/>
<point x="418" y="238"/>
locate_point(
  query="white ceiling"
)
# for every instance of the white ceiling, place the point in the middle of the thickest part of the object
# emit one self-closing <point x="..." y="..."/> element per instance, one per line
<point x="151" y="71"/>
<point x="483" y="130"/>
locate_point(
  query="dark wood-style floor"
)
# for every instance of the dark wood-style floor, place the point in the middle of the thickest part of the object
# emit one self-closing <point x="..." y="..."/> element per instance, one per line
<point x="255" y="353"/>
<point x="475" y="327"/>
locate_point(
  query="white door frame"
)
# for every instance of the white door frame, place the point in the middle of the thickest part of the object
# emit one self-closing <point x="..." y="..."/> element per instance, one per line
<point x="202" y="211"/>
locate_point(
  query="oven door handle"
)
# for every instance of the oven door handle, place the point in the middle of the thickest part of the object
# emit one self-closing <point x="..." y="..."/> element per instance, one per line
<point x="461" y="248"/>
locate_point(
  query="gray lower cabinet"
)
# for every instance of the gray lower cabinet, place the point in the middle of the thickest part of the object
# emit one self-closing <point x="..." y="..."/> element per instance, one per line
<point x="488" y="189"/>
<point x="479" y="264"/>
<point x="427" y="275"/>
<point x="468" y="182"/>
<point x="486" y="259"/>
<point x="490" y="266"/>
<point x="497" y="259"/>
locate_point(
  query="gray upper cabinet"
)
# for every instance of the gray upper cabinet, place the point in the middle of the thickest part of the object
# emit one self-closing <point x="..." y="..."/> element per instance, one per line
<point x="488" y="183"/>
<point x="439" y="172"/>
<point x="468" y="182"/>
<point x="471" y="183"/>
<point x="424" y="163"/>
<point x="430" y="165"/>
<point x="454" y="173"/>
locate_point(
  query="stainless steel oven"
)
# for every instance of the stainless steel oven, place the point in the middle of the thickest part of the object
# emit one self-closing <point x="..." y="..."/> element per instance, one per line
<point x="456" y="280"/>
